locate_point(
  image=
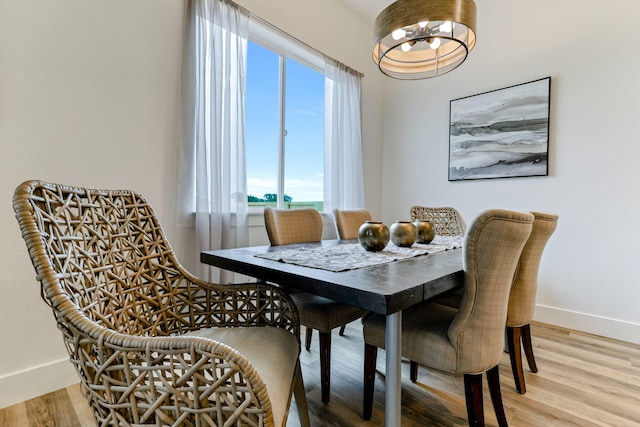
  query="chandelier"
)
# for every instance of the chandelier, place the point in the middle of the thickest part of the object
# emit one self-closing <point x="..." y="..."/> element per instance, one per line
<point x="420" y="39"/>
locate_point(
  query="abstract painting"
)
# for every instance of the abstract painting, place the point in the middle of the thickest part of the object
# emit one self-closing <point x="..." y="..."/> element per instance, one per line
<point x="501" y="134"/>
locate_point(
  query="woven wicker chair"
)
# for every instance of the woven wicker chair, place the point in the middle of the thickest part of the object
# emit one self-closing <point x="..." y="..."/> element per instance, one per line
<point x="468" y="340"/>
<point x="447" y="221"/>
<point x="152" y="344"/>
<point x="348" y="222"/>
<point x="304" y="226"/>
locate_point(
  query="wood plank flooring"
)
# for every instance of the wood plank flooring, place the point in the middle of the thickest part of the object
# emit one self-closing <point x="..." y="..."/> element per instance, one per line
<point x="583" y="380"/>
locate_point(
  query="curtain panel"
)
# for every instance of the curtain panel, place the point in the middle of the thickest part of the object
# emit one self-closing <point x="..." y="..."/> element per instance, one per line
<point x="343" y="175"/>
<point x="213" y="130"/>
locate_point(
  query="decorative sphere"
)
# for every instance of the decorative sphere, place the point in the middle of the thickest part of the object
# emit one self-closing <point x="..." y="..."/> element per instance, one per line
<point x="403" y="233"/>
<point x="426" y="231"/>
<point x="373" y="235"/>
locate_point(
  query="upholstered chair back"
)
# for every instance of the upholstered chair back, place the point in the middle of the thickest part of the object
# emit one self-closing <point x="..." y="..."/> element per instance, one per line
<point x="446" y="220"/>
<point x="523" y="292"/>
<point x="492" y="247"/>
<point x="348" y="222"/>
<point x="285" y="227"/>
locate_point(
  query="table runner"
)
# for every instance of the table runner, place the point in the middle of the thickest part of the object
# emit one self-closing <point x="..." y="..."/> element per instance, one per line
<point x="352" y="256"/>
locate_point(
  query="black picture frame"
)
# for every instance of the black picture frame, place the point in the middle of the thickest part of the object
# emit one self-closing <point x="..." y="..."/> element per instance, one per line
<point x="503" y="133"/>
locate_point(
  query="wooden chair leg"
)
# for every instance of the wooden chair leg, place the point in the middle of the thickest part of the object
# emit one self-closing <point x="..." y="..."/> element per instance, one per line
<point x="325" y="365"/>
<point x="473" y="397"/>
<point x="370" y="358"/>
<point x="301" y="398"/>
<point x="307" y="338"/>
<point x="413" y="371"/>
<point x="493" y="378"/>
<point x="515" y="354"/>
<point x="342" y="328"/>
<point x="528" y="347"/>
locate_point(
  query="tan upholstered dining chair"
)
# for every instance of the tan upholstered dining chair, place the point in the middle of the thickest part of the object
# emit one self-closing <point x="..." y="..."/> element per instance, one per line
<point x="522" y="299"/>
<point x="468" y="340"/>
<point x="305" y="226"/>
<point x="446" y="220"/>
<point x="348" y="222"/>
<point x="151" y="343"/>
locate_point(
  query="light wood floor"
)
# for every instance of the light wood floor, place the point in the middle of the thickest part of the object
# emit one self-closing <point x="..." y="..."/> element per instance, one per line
<point x="583" y="380"/>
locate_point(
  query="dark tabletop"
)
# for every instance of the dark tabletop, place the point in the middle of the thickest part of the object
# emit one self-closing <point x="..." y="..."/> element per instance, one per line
<point x="384" y="289"/>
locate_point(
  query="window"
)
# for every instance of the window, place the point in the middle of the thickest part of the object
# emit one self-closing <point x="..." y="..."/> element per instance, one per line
<point x="285" y="105"/>
<point x="213" y="172"/>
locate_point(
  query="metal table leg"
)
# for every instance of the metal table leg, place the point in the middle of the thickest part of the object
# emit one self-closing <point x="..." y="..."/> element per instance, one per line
<point x="392" y="403"/>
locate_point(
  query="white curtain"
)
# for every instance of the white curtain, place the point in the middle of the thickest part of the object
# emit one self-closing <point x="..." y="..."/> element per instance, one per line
<point x="343" y="176"/>
<point x="212" y="178"/>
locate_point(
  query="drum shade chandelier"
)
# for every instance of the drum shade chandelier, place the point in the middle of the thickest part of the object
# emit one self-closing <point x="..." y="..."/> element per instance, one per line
<point x="420" y="39"/>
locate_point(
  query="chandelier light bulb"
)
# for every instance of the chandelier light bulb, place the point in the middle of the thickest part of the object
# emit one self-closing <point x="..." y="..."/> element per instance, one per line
<point x="446" y="27"/>
<point x="434" y="43"/>
<point x="423" y="24"/>
<point x="406" y="47"/>
<point x="398" y="34"/>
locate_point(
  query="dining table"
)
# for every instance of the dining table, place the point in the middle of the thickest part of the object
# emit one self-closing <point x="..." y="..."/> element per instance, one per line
<point x="385" y="282"/>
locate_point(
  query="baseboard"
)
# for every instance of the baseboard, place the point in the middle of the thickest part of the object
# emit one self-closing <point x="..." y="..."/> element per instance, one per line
<point x="24" y="385"/>
<point x="597" y="325"/>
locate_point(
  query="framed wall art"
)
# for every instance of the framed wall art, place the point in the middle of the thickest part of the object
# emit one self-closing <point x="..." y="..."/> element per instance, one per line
<point x="500" y="134"/>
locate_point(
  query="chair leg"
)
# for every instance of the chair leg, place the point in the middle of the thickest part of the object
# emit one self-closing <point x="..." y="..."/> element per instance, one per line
<point x="370" y="357"/>
<point x="342" y="328"/>
<point x="301" y="398"/>
<point x="473" y="396"/>
<point x="493" y="378"/>
<point x="528" y="347"/>
<point x="325" y="365"/>
<point x="413" y="371"/>
<point x="307" y="339"/>
<point x="515" y="354"/>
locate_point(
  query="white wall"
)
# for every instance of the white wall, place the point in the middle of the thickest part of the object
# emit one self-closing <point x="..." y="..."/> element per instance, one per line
<point x="588" y="278"/>
<point x="88" y="97"/>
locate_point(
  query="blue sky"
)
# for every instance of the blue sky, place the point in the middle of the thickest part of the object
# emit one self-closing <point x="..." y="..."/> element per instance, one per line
<point x="304" y="124"/>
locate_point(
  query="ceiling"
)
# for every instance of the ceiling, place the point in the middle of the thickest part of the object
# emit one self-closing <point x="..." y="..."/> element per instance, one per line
<point x="368" y="10"/>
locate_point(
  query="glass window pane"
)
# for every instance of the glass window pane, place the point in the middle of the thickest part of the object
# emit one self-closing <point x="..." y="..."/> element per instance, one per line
<point x="262" y="125"/>
<point x="304" y="142"/>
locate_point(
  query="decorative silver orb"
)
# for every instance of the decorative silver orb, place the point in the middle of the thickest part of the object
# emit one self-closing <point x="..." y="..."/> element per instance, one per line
<point x="373" y="235"/>
<point x="403" y="233"/>
<point x="426" y="232"/>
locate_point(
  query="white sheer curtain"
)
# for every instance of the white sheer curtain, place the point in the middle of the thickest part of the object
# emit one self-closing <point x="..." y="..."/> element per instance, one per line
<point x="212" y="178"/>
<point x="343" y="176"/>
